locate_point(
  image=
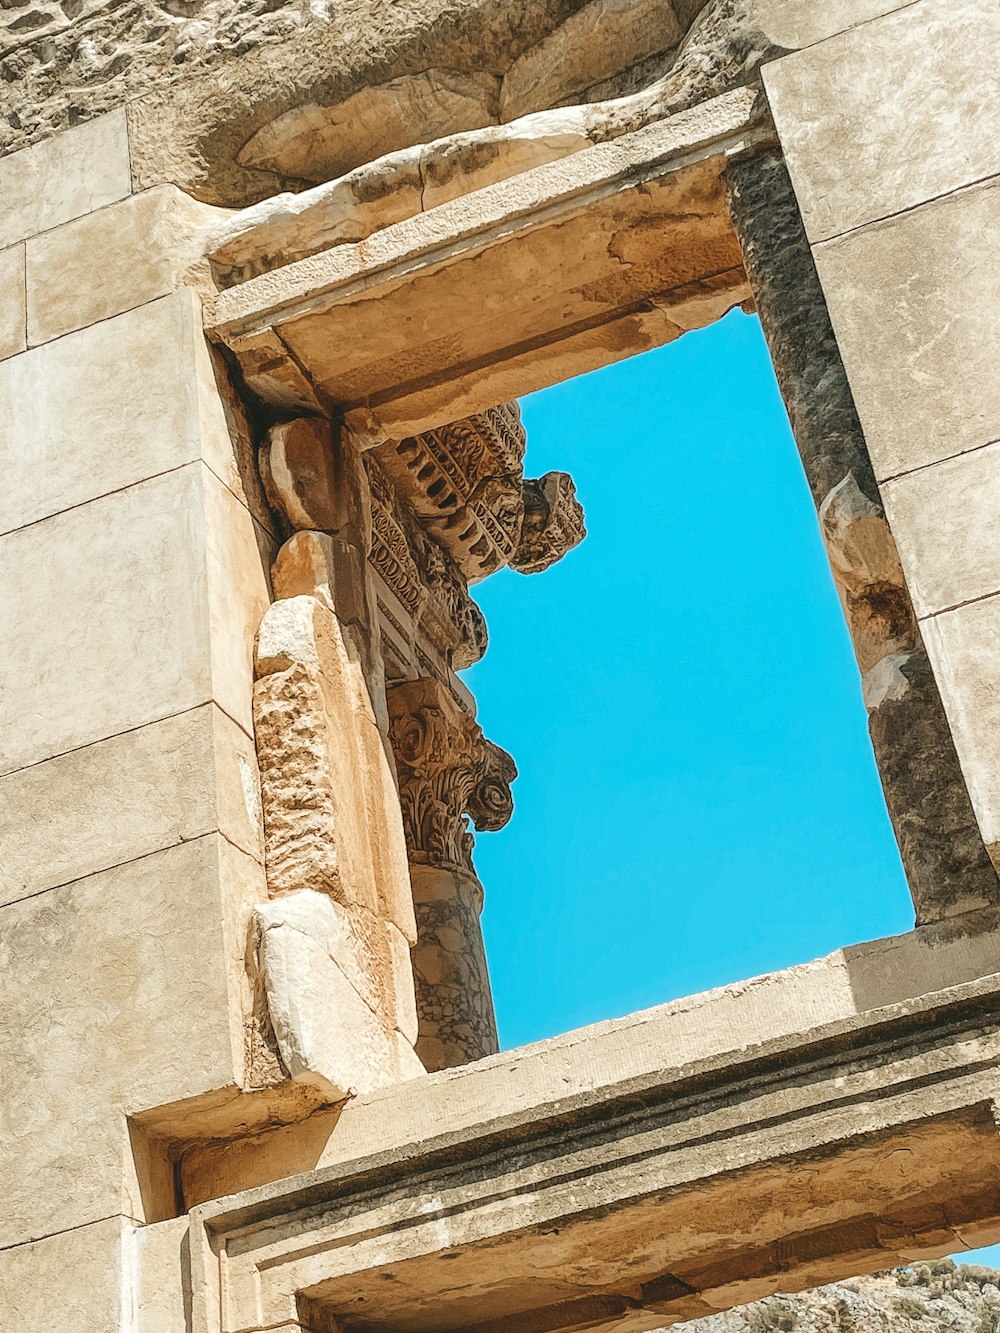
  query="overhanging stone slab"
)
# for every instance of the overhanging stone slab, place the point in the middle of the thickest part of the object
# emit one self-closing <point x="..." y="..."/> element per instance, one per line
<point x="563" y="268"/>
<point x="639" y="1173"/>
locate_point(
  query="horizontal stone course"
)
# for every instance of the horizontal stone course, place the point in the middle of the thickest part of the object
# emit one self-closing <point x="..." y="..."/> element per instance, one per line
<point x="64" y="177"/>
<point x="890" y="114"/>
<point x="915" y="302"/>
<point x="126" y="797"/>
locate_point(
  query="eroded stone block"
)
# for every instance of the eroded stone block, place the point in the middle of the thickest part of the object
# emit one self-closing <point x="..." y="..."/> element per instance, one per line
<point x="64" y="177"/>
<point x="795" y="23"/>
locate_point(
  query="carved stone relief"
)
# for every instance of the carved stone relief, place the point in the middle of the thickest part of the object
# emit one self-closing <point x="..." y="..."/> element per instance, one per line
<point x="447" y="770"/>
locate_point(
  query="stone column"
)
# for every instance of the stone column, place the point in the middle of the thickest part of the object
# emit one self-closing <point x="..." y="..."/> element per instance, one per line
<point x="447" y="770"/>
<point x="946" y="863"/>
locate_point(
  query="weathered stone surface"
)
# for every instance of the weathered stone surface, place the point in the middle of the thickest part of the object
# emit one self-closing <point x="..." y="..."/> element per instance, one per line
<point x="454" y="1000"/>
<point x="672" y="241"/>
<point x="553" y="522"/>
<point x="330" y="825"/>
<point x="939" y="515"/>
<point x="125" y="797"/>
<point x="63" y="178"/>
<point x="317" y="143"/>
<point x="889" y="114"/>
<point x="795" y="23"/>
<point x="963" y="645"/>
<point x="113" y="260"/>
<point x="919" y="355"/>
<point x="143" y="383"/>
<point x="560" y="1173"/>
<point x="946" y="863"/>
<point x="13" y="309"/>
<point x="38" y="1295"/>
<point x="298" y="473"/>
<point x="599" y="40"/>
<point x="330" y="987"/>
<point x="107" y="655"/>
<point x="137" y="979"/>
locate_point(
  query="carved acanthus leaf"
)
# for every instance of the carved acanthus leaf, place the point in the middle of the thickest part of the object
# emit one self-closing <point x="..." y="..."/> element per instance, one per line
<point x="447" y="771"/>
<point x="553" y="522"/>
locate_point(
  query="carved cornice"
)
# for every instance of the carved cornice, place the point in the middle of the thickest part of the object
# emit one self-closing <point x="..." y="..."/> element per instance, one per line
<point x="552" y="525"/>
<point x="447" y="770"/>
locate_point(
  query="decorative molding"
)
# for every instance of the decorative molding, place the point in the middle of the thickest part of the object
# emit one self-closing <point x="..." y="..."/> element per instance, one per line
<point x="447" y="771"/>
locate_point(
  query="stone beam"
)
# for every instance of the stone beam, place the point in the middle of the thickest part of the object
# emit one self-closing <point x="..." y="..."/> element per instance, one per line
<point x="767" y="1136"/>
<point x="561" y="269"/>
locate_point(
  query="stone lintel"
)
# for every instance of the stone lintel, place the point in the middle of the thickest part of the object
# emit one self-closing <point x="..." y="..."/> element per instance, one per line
<point x="473" y="302"/>
<point x="772" y="1135"/>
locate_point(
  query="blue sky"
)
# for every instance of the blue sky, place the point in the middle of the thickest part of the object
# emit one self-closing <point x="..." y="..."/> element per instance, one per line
<point x="697" y="799"/>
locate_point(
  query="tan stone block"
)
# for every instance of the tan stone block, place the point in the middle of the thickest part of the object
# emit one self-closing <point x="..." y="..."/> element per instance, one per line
<point x="125" y="797"/>
<point x="115" y="995"/>
<point x="239" y="558"/>
<point x="162" y="1276"/>
<point x="797" y="23"/>
<point x="109" y="406"/>
<point x="964" y="648"/>
<point x="113" y="260"/>
<point x="64" y="177"/>
<point x="13" y="315"/>
<point x="73" y="1280"/>
<point x="941" y="518"/>
<point x="403" y="989"/>
<point x="915" y="303"/>
<point x="889" y="114"/>
<point x="141" y="604"/>
<point x="111" y="629"/>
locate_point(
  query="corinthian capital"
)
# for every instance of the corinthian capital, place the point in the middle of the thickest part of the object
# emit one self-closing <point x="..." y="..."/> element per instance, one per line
<point x="448" y="771"/>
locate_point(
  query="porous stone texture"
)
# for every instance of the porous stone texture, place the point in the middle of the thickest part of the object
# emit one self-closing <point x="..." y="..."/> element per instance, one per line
<point x="796" y="23"/>
<point x="947" y="865"/>
<point x="937" y="1293"/>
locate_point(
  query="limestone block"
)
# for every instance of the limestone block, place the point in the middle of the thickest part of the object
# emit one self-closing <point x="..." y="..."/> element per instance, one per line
<point x="942" y="517"/>
<point x="135" y="972"/>
<point x="915" y="302"/>
<point x="109" y="406"/>
<point x="331" y="813"/>
<point x="403" y="987"/>
<point x="72" y="1280"/>
<point x="13" y="313"/>
<point x="113" y="260"/>
<point x="796" y="23"/>
<point x="299" y="474"/>
<point x="964" y="648"/>
<point x="595" y="42"/>
<point x="320" y="985"/>
<point x="140" y="605"/>
<point x="889" y="114"/>
<point x="162" y="1266"/>
<point x="64" y="177"/>
<point x="124" y="797"/>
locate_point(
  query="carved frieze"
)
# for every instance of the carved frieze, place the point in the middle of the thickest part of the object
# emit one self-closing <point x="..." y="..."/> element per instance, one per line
<point x="448" y="771"/>
<point x="552" y="524"/>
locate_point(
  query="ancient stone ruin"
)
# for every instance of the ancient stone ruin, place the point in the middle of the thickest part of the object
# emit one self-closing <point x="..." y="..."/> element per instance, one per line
<point x="273" y="277"/>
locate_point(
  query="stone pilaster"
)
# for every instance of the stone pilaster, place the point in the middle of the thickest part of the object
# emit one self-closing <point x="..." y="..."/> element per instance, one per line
<point x="946" y="863"/>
